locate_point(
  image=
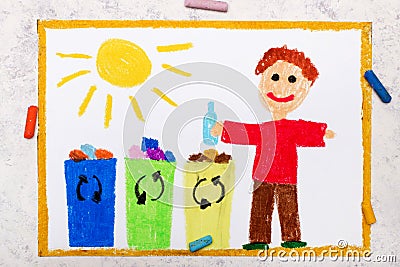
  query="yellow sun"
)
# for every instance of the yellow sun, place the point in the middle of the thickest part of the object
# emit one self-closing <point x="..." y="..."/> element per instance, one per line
<point x="124" y="64"/>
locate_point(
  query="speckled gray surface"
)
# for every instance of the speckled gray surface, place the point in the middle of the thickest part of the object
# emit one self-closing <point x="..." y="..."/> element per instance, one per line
<point x="18" y="80"/>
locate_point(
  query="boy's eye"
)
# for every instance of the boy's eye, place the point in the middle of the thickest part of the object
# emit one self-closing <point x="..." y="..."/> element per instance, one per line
<point x="292" y="79"/>
<point x="275" y="77"/>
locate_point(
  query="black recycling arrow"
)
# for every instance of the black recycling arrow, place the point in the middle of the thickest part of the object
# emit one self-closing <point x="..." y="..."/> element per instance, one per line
<point x="157" y="177"/>
<point x="204" y="203"/>
<point x="82" y="179"/>
<point x="97" y="194"/>
<point x="216" y="181"/>
<point x="141" y="198"/>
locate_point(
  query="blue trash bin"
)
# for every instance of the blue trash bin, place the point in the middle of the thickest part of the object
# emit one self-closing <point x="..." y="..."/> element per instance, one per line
<point x="91" y="202"/>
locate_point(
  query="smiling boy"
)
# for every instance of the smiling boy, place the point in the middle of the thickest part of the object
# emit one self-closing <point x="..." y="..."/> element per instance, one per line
<point x="286" y="78"/>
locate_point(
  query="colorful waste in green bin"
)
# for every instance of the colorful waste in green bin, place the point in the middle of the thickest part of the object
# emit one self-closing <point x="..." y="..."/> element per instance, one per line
<point x="149" y="198"/>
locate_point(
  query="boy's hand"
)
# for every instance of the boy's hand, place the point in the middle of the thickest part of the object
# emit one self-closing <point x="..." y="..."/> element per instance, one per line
<point x="329" y="134"/>
<point x="217" y="129"/>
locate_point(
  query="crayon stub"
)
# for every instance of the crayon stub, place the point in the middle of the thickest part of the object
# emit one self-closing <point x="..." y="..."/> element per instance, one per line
<point x="368" y="212"/>
<point x="377" y="86"/>
<point x="207" y="5"/>
<point x="200" y="243"/>
<point x="30" y="124"/>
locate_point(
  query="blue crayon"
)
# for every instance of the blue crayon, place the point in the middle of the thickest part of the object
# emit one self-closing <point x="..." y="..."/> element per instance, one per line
<point x="200" y="243"/>
<point x="377" y="86"/>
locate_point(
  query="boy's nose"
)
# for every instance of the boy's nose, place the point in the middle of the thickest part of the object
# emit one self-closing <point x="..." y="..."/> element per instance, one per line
<point x="282" y="91"/>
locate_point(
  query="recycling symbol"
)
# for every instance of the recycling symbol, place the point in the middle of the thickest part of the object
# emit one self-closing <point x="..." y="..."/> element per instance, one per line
<point x="141" y="197"/>
<point x="204" y="203"/>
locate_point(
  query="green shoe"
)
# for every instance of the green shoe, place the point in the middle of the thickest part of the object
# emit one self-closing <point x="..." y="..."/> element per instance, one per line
<point x="293" y="244"/>
<point x="255" y="246"/>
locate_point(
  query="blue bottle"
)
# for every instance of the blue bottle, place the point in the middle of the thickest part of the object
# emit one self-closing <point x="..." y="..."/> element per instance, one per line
<point x="209" y="121"/>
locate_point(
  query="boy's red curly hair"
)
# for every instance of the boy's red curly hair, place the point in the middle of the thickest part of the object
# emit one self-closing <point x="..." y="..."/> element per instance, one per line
<point x="293" y="56"/>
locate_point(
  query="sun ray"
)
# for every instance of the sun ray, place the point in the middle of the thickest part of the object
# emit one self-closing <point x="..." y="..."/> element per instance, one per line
<point x="74" y="55"/>
<point x="86" y="101"/>
<point x="176" y="71"/>
<point x="71" y="77"/>
<point x="136" y="108"/>
<point x="174" y="47"/>
<point x="108" y="111"/>
<point x="164" y="97"/>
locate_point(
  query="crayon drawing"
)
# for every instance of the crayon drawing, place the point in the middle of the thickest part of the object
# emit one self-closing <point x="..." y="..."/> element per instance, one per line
<point x="255" y="135"/>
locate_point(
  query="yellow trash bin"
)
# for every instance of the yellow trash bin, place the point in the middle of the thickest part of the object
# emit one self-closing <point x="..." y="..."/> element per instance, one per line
<point x="208" y="201"/>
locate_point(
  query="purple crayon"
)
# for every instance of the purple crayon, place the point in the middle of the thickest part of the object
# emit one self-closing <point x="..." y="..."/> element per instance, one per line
<point x="207" y="5"/>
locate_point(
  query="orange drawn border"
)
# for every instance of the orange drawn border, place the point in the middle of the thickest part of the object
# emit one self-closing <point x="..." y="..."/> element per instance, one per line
<point x="366" y="64"/>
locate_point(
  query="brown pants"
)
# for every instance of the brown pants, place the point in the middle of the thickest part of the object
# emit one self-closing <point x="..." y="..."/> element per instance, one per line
<point x="264" y="196"/>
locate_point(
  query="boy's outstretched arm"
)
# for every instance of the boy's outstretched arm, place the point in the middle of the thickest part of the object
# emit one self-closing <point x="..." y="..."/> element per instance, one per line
<point x="237" y="133"/>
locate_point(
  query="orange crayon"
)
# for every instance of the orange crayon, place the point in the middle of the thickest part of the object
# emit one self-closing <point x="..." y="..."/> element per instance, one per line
<point x="30" y="122"/>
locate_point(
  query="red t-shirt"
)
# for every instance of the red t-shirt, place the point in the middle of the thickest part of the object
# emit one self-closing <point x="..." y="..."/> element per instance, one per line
<point x="276" y="145"/>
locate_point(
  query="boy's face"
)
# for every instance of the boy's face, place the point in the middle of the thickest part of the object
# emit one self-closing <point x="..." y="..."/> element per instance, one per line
<point x="283" y="87"/>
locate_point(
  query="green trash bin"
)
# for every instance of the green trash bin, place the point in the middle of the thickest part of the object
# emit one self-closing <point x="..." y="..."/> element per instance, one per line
<point x="149" y="196"/>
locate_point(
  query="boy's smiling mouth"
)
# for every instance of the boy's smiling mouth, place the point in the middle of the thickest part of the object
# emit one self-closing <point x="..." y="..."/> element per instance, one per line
<point x="280" y="99"/>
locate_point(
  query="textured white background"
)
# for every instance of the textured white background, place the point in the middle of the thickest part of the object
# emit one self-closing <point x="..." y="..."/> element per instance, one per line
<point x="18" y="83"/>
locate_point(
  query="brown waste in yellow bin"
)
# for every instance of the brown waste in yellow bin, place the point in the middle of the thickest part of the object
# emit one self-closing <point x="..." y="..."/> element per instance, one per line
<point x="208" y="200"/>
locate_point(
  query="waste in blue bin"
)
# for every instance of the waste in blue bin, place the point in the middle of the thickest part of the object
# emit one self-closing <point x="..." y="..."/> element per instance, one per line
<point x="91" y="202"/>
